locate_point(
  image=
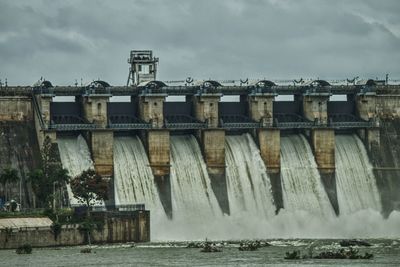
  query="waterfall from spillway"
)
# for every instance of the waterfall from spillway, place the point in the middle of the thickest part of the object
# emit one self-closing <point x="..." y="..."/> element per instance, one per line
<point x="356" y="184"/>
<point x="75" y="157"/>
<point x="196" y="212"/>
<point x="192" y="195"/>
<point x="249" y="187"/>
<point x="301" y="184"/>
<point x="133" y="178"/>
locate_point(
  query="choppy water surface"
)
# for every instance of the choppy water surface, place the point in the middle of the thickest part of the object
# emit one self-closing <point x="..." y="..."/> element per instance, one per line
<point x="386" y="252"/>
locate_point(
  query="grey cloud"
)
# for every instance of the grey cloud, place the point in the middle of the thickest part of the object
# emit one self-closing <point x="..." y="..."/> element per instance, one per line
<point x="227" y="39"/>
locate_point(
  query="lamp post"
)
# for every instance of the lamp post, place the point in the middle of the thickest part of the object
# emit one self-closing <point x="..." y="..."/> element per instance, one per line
<point x="20" y="192"/>
<point x="54" y="197"/>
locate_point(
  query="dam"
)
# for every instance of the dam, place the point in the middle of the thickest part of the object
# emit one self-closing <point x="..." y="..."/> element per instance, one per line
<point x="252" y="166"/>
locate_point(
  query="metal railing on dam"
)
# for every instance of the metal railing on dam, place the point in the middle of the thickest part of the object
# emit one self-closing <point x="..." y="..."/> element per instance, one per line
<point x="193" y="90"/>
<point x="224" y="124"/>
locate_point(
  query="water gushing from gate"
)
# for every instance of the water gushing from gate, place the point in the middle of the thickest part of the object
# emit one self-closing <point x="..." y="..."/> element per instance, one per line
<point x="301" y="183"/>
<point x="75" y="157"/>
<point x="133" y="178"/>
<point x="249" y="187"/>
<point x="356" y="184"/>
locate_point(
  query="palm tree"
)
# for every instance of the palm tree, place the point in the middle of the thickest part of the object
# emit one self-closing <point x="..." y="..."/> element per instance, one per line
<point x="3" y="182"/>
<point x="35" y="178"/>
<point x="8" y="175"/>
<point x="60" y="179"/>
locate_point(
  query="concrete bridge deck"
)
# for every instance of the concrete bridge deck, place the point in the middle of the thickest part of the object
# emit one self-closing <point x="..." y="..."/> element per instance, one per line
<point x="192" y="90"/>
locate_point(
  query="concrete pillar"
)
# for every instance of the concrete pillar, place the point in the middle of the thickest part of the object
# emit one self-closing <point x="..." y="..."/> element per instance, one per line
<point x="151" y="109"/>
<point x="213" y="144"/>
<point x="323" y="143"/>
<point x="366" y="106"/>
<point x="158" y="150"/>
<point x="269" y="141"/>
<point x="102" y="148"/>
<point x="94" y="108"/>
<point x="44" y="102"/>
<point x="213" y="147"/>
<point x="206" y="108"/>
<point x="366" y="109"/>
<point x="158" y="146"/>
<point x="261" y="108"/>
<point x="373" y="138"/>
<point x="370" y="137"/>
<point x="315" y="107"/>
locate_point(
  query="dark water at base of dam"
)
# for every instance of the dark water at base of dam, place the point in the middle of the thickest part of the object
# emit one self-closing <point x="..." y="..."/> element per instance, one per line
<point x="386" y="253"/>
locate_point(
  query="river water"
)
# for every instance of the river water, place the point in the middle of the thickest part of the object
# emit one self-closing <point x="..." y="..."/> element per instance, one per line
<point x="386" y="253"/>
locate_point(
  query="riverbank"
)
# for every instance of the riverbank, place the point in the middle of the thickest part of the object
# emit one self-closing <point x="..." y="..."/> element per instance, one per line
<point x="116" y="227"/>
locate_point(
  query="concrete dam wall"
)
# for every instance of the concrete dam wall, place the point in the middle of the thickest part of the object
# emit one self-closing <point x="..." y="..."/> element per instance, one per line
<point x="251" y="168"/>
<point x="19" y="150"/>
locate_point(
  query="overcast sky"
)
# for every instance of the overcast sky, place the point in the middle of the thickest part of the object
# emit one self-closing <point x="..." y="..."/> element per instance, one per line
<point x="227" y="39"/>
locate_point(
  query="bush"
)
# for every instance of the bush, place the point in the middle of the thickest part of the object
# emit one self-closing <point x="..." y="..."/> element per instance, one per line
<point x="56" y="228"/>
<point x="24" y="249"/>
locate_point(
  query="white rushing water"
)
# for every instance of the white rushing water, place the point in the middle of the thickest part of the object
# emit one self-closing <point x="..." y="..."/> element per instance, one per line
<point x="197" y="215"/>
<point x="249" y="187"/>
<point x="192" y="195"/>
<point x="76" y="158"/>
<point x="308" y="212"/>
<point x="355" y="180"/>
<point x="196" y="212"/>
<point x="133" y="178"/>
<point x="301" y="183"/>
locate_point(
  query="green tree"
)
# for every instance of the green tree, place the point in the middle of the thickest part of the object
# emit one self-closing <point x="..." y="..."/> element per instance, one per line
<point x="36" y="179"/>
<point x="60" y="177"/>
<point x="7" y="176"/>
<point x="48" y="180"/>
<point x="88" y="187"/>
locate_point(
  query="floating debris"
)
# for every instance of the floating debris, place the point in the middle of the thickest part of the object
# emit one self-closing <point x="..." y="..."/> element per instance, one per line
<point x="24" y="249"/>
<point x="210" y="247"/>
<point x="86" y="250"/>
<point x="295" y="255"/>
<point x="351" y="254"/>
<point x="252" y="246"/>
<point x="195" y="245"/>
